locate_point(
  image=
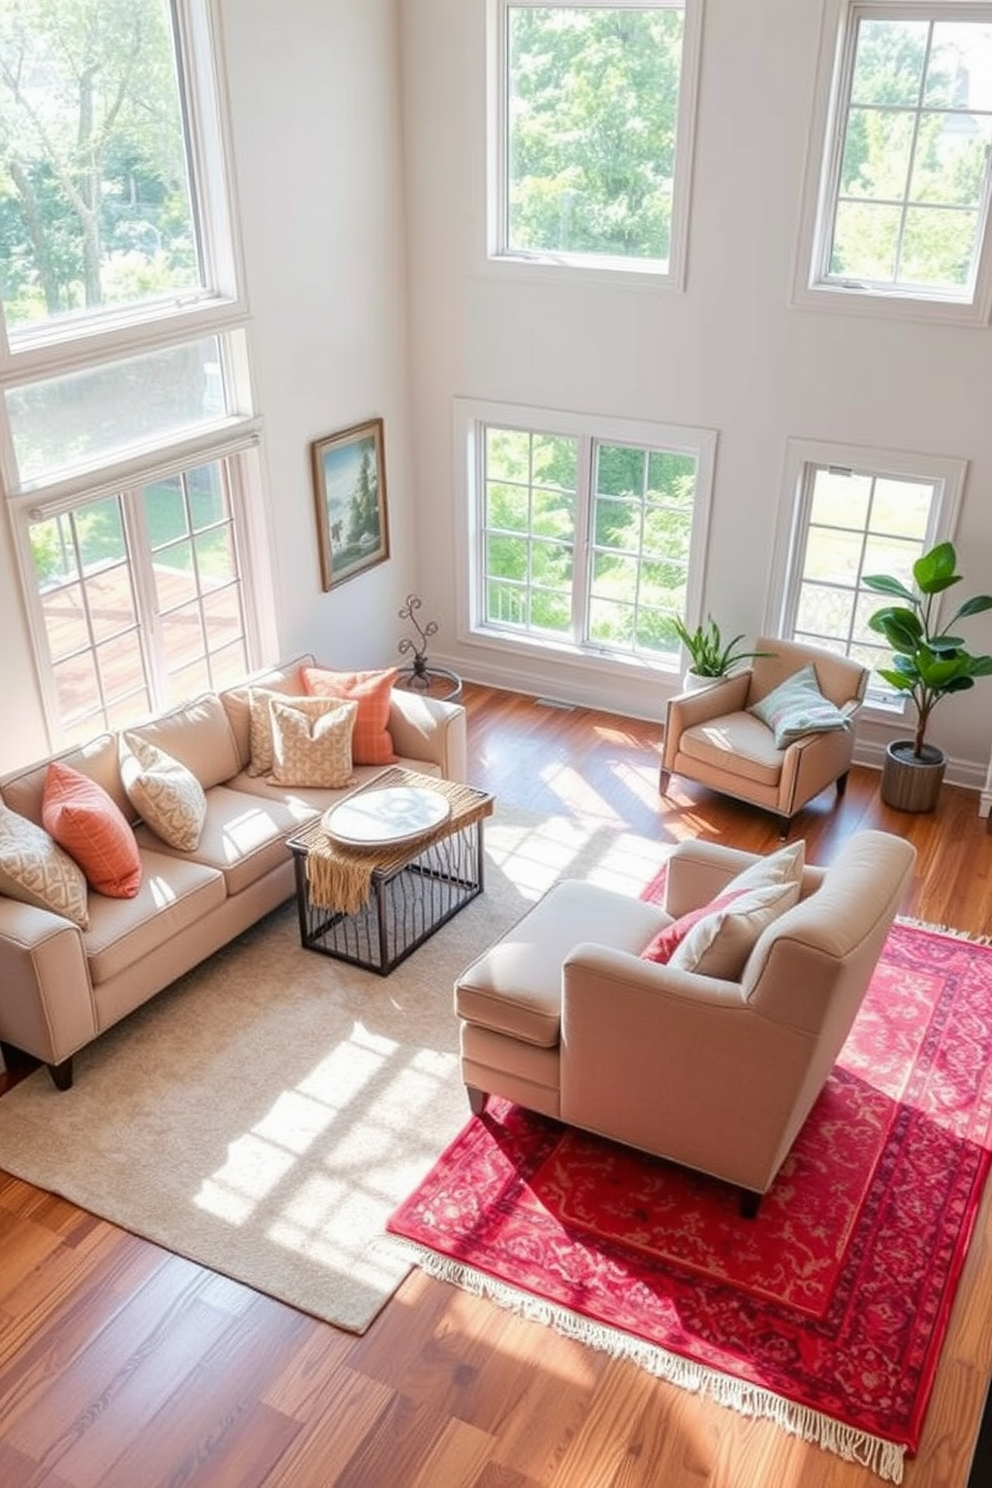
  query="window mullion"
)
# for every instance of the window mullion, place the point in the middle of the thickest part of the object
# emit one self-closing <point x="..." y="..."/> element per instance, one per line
<point x="582" y="557"/>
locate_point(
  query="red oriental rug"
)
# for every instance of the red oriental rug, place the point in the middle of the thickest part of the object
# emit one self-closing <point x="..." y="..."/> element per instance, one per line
<point x="828" y="1311"/>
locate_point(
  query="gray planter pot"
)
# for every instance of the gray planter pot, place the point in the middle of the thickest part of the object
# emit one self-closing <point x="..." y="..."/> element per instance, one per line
<point x="908" y="783"/>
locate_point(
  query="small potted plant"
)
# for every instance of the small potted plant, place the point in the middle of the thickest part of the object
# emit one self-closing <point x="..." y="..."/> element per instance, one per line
<point x="929" y="664"/>
<point x="710" y="658"/>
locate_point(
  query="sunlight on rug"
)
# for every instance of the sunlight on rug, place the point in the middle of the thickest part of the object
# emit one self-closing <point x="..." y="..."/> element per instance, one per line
<point x="828" y="1311"/>
<point x="265" y="1114"/>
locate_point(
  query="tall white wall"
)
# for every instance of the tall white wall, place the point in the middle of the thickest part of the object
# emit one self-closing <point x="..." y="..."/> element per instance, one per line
<point x="728" y="354"/>
<point x="314" y="104"/>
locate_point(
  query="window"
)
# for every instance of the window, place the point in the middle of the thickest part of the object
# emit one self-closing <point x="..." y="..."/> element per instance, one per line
<point x="591" y="133"/>
<point x="876" y="514"/>
<point x="904" y="192"/>
<point x="585" y="537"/>
<point x="127" y="431"/>
<point x="140" y="598"/>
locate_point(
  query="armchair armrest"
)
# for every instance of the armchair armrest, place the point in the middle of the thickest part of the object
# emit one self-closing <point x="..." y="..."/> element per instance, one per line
<point x="697" y="871"/>
<point x="687" y="709"/>
<point x="425" y="728"/>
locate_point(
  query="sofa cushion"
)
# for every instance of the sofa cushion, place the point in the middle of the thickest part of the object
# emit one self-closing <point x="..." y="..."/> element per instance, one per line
<point x="797" y="707"/>
<point x="82" y="818"/>
<point x="199" y="736"/>
<point x="175" y="892"/>
<point x="24" y="790"/>
<point x="311" y="742"/>
<point x="167" y="796"/>
<point x="372" y="743"/>
<point x="243" y="837"/>
<point x="35" y="870"/>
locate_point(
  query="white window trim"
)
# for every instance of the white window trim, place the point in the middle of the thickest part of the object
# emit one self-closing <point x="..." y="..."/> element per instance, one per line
<point x="808" y="291"/>
<point x="470" y="416"/>
<point x="57" y="346"/>
<point x="591" y="269"/>
<point x="947" y="474"/>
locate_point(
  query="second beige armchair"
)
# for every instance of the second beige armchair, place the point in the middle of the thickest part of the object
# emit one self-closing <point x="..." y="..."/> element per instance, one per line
<point x="712" y="737"/>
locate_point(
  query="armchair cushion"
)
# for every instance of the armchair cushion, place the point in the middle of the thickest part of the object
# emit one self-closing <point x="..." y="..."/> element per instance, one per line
<point x="797" y="707"/>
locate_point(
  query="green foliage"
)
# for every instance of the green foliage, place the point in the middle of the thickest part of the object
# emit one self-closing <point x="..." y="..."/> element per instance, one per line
<point x="709" y="655"/>
<point x="929" y="664"/>
<point x="593" y="112"/>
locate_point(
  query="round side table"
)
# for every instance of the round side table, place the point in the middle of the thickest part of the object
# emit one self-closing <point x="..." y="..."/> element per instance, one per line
<point x="435" y="682"/>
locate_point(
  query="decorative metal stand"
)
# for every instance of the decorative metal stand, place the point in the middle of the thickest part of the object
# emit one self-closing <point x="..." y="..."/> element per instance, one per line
<point x="420" y="676"/>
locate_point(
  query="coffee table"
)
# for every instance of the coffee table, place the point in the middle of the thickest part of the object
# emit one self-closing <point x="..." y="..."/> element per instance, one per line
<point x="387" y="867"/>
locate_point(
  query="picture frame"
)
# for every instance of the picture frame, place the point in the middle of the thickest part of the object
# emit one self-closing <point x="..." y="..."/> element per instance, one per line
<point x="349" y="477"/>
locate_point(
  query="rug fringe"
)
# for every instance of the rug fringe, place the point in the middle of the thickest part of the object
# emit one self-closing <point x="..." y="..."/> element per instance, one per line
<point x="884" y="1458"/>
<point x="948" y="930"/>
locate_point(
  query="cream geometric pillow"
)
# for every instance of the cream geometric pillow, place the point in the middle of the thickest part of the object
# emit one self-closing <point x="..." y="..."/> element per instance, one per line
<point x="311" y="742"/>
<point x="166" y="795"/>
<point x="35" y="870"/>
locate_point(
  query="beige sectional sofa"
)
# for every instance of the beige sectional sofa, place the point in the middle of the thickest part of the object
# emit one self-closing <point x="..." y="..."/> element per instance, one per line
<point x="61" y="986"/>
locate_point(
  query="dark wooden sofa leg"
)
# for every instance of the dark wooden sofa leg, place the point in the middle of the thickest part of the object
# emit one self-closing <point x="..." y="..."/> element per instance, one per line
<point x="664" y="776"/>
<point x="476" y="1099"/>
<point x="61" y="1074"/>
<point x="749" y="1203"/>
<point x="784" y="827"/>
<point x="842" y="782"/>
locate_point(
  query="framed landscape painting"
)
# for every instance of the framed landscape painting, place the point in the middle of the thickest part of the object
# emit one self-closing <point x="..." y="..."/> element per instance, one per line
<point x="349" y="475"/>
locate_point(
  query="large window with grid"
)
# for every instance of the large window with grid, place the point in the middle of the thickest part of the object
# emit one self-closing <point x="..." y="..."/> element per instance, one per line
<point x="127" y="430"/>
<point x="591" y="133"/>
<point x="902" y="200"/>
<point x="585" y="533"/>
<point x="874" y="515"/>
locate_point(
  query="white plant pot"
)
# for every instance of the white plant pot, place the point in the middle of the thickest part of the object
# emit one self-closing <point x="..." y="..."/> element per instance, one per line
<point x="693" y="682"/>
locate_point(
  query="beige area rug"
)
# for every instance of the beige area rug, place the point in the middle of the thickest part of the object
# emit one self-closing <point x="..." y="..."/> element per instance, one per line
<point x="265" y="1114"/>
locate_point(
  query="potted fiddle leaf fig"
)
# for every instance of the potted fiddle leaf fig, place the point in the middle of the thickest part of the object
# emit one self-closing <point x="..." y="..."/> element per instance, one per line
<point x="930" y="663"/>
<point x="710" y="658"/>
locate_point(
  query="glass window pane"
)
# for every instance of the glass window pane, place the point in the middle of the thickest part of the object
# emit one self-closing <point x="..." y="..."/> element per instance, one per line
<point x="110" y="601"/>
<point x="554" y="514"/>
<point x="165" y="511"/>
<point x="620" y="471"/>
<point x="100" y="204"/>
<point x="592" y="109"/>
<point x="102" y="412"/>
<point x="507" y="454"/>
<point x="550" y="611"/>
<point x="222" y="617"/>
<point x="507" y="507"/>
<point x="832" y="555"/>
<point x="866" y="242"/>
<point x="938" y="248"/>
<point x="672" y="478"/>
<point x="825" y="612"/>
<point x="553" y="461"/>
<point x="175" y="581"/>
<point x="182" y="638"/>
<point x="901" y="508"/>
<point x="840" y="499"/>
<point x="64" y="615"/>
<point x="189" y="681"/>
<point x="878" y="149"/>
<point x="958" y="74"/>
<point x="889" y="61"/>
<point x="216" y="560"/>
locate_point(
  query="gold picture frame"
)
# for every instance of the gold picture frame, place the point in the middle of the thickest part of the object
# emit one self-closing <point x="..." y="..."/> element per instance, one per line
<point x="349" y="478"/>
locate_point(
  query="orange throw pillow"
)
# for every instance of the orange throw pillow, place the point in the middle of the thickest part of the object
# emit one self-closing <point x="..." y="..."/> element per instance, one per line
<point x="371" y="743"/>
<point x="79" y="815"/>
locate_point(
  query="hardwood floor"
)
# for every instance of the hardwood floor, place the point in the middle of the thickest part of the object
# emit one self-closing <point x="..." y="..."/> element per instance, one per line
<point x="122" y="1366"/>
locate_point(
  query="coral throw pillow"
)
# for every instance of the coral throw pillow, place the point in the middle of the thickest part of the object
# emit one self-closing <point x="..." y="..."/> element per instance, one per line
<point x="80" y="816"/>
<point x="371" y="743"/>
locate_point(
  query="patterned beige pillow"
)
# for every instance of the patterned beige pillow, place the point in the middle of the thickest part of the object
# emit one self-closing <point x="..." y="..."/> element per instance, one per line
<point x="312" y="745"/>
<point x="35" y="870"/>
<point x="166" y="795"/>
<point x="260" y="728"/>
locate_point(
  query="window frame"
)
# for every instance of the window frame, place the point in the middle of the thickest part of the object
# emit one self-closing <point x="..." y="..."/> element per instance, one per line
<point x="243" y="478"/>
<point x="831" y="100"/>
<point x="802" y="458"/>
<point x="187" y="315"/>
<point x="471" y="417"/>
<point x="545" y="267"/>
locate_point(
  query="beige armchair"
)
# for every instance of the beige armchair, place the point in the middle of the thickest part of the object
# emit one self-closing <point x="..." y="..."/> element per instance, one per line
<point x="564" y="1015"/>
<point x="710" y="736"/>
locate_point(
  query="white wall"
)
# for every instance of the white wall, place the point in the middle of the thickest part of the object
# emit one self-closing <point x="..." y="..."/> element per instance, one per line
<point x="314" y="102"/>
<point x="728" y="354"/>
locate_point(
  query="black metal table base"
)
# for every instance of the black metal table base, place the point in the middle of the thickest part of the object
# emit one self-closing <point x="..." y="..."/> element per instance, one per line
<point x="405" y="906"/>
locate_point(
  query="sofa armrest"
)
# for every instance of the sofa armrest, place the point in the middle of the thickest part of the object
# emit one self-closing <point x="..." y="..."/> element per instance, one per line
<point x="46" y="1000"/>
<point x="427" y="729"/>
